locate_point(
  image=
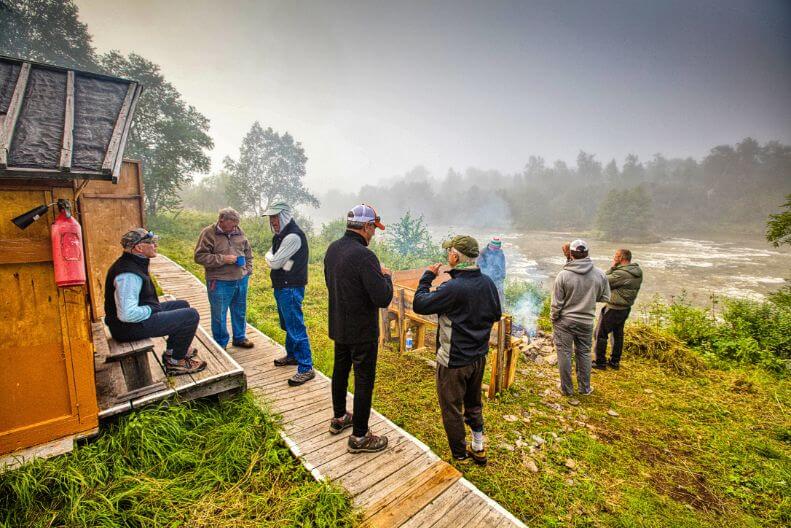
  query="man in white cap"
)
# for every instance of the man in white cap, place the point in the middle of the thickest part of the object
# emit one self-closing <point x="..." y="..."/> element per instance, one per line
<point x="358" y="286"/>
<point x="578" y="287"/>
<point x="288" y="260"/>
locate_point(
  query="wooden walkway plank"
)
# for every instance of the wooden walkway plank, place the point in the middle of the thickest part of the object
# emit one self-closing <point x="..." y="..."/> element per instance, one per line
<point x="405" y="485"/>
<point x="435" y="511"/>
<point x="413" y="496"/>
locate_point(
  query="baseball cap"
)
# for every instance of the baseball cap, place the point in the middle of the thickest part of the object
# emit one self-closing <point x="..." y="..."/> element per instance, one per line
<point x="277" y="208"/>
<point x="578" y="245"/>
<point x="362" y="214"/>
<point x="464" y="244"/>
<point x="136" y="236"/>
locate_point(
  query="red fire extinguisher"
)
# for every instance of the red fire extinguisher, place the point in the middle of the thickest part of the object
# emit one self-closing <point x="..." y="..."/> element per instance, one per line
<point x="67" y="254"/>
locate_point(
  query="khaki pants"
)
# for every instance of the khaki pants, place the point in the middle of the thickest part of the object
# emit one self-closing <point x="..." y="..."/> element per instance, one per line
<point x="459" y="393"/>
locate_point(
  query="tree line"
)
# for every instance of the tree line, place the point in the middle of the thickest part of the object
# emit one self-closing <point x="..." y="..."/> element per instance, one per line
<point x="733" y="188"/>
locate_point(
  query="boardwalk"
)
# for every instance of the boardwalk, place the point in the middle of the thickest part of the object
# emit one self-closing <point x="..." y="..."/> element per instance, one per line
<point x="406" y="485"/>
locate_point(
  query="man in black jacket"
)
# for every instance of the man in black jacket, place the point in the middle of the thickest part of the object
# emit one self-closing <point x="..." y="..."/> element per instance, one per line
<point x="358" y="285"/>
<point x="467" y="305"/>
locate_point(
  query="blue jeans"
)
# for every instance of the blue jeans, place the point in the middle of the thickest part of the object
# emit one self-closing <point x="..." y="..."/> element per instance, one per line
<point x="224" y="294"/>
<point x="289" y="309"/>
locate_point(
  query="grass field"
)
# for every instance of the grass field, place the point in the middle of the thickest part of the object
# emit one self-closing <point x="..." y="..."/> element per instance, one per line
<point x="650" y="447"/>
<point x="201" y="464"/>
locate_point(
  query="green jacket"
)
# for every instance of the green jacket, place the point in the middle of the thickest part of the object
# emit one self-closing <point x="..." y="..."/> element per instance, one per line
<point x="625" y="282"/>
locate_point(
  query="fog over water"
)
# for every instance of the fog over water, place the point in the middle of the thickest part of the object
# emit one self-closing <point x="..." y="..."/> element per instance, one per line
<point x="739" y="267"/>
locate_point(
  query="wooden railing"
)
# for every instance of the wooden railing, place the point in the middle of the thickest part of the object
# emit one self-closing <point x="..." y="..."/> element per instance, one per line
<point x="400" y="317"/>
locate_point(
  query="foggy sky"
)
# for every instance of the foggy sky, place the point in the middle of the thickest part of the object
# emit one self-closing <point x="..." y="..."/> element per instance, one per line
<point x="372" y="89"/>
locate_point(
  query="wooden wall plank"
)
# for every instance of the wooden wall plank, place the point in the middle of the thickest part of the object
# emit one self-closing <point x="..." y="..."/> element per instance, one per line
<point x="21" y="250"/>
<point x="128" y="124"/>
<point x="68" y="125"/>
<point x="118" y="132"/>
<point x="14" y="107"/>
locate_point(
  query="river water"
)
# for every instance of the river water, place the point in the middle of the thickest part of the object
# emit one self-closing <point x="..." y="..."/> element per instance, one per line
<point x="697" y="268"/>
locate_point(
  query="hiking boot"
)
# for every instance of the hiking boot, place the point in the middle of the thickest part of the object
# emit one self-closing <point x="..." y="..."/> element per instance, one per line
<point x="184" y="366"/>
<point x="599" y="366"/>
<point x="285" y="361"/>
<point x="301" y="377"/>
<point x="614" y="366"/>
<point x="339" y="424"/>
<point x="169" y="354"/>
<point x="588" y="393"/>
<point x="370" y="443"/>
<point x="244" y="343"/>
<point x="479" y="457"/>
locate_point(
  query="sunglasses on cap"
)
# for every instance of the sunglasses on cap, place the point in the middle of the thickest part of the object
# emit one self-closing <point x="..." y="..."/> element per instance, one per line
<point x="149" y="238"/>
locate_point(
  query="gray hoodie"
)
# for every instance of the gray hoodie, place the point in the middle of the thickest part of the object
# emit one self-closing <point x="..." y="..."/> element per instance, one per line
<point x="578" y="287"/>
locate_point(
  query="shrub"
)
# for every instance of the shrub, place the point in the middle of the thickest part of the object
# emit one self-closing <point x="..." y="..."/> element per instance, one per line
<point x="746" y="332"/>
<point x="651" y="342"/>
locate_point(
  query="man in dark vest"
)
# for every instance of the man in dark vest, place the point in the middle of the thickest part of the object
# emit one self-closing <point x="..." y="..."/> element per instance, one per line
<point x="288" y="260"/>
<point x="133" y="311"/>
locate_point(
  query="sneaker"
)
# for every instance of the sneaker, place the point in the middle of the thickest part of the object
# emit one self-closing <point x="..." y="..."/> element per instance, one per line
<point x="599" y="366"/>
<point x="590" y="391"/>
<point x="244" y="343"/>
<point x="479" y="457"/>
<point x="301" y="377"/>
<point x="285" y="361"/>
<point x="169" y="354"/>
<point x="463" y="459"/>
<point x="339" y="424"/>
<point x="184" y="366"/>
<point x="370" y="443"/>
<point x="614" y="366"/>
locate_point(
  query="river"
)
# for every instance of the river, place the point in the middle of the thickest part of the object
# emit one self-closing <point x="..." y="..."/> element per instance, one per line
<point x="697" y="268"/>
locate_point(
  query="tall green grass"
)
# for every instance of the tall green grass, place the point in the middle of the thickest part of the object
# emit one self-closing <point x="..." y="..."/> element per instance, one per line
<point x="195" y="464"/>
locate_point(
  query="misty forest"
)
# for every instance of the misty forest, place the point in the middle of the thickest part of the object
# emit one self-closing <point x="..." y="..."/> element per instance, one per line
<point x="691" y="429"/>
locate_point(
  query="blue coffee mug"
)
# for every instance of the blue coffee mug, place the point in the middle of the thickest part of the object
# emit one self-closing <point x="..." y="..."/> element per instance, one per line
<point x="240" y="261"/>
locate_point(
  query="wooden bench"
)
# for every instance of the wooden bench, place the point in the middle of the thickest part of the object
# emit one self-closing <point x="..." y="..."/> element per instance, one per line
<point x="133" y="357"/>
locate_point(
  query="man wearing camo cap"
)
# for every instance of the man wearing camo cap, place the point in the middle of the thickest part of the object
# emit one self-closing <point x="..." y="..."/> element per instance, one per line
<point x="133" y="311"/>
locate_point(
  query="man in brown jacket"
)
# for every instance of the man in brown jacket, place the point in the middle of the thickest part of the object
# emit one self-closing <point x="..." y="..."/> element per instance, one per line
<point x="225" y="254"/>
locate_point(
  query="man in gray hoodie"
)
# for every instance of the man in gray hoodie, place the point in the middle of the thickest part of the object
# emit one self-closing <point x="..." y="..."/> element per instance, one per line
<point x="578" y="287"/>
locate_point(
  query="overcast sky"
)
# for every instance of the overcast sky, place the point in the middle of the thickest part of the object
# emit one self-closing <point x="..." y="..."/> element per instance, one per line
<point x="372" y="89"/>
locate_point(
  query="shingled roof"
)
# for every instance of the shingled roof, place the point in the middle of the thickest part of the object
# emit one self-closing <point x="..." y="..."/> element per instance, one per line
<point x="61" y="123"/>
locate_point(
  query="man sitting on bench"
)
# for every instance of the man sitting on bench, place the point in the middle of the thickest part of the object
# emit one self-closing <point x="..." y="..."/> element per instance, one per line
<point x="133" y="311"/>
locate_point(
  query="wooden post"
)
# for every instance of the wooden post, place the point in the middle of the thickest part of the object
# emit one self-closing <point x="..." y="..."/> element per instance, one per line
<point x="382" y="326"/>
<point x="401" y="322"/>
<point x="420" y="338"/>
<point x="501" y="366"/>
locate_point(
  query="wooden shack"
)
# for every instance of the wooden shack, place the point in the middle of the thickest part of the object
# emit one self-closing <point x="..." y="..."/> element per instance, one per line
<point x="59" y="129"/>
<point x="62" y="136"/>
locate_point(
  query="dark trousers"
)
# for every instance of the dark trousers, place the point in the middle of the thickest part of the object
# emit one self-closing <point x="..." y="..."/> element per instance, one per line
<point x="363" y="358"/>
<point x="176" y="320"/>
<point x="459" y="393"/>
<point x="610" y="321"/>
